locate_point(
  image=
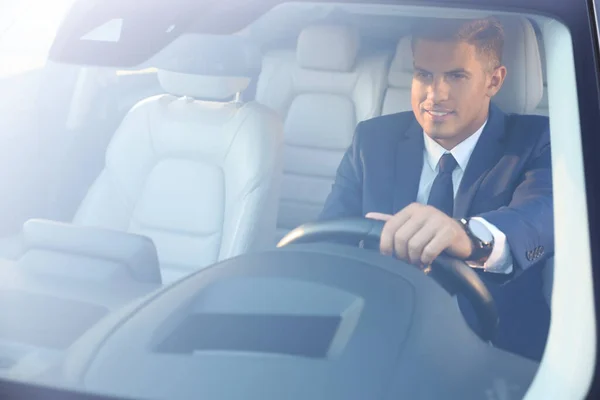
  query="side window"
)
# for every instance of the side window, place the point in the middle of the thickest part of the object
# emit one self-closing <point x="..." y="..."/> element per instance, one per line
<point x="27" y="30"/>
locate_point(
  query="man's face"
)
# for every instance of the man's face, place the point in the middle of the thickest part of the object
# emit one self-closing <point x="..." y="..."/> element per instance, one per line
<point x="451" y="89"/>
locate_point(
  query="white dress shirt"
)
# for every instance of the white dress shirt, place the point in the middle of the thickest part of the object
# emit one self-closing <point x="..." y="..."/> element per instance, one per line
<point x="500" y="260"/>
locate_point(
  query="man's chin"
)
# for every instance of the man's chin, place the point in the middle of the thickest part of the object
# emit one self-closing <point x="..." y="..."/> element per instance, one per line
<point x="437" y="131"/>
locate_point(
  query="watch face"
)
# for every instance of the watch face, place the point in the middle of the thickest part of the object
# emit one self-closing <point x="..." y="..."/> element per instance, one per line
<point x="479" y="230"/>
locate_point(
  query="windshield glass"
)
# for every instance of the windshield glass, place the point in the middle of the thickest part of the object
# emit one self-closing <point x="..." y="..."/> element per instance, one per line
<point x="373" y="185"/>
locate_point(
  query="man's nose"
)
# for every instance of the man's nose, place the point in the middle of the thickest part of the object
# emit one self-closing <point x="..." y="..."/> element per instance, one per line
<point x="438" y="90"/>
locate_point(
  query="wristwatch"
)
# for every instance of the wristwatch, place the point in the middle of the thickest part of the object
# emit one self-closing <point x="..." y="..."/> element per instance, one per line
<point x="482" y="240"/>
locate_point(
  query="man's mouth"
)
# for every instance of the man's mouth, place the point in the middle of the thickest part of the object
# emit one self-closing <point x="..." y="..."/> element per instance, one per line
<point x="439" y="113"/>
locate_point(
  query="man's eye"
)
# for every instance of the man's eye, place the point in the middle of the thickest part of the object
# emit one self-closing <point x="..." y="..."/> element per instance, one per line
<point x="456" y="76"/>
<point x="422" y="75"/>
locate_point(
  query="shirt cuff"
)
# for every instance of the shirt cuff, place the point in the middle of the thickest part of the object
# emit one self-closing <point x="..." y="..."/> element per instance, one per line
<point x="500" y="259"/>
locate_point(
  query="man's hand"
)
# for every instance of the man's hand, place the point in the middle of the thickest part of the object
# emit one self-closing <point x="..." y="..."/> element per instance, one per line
<point x="420" y="233"/>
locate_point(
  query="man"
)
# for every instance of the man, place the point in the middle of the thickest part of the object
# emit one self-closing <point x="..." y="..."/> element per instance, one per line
<point x="457" y="175"/>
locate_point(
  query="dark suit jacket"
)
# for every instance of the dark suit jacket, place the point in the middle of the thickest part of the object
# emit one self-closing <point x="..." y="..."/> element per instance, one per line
<point x="508" y="181"/>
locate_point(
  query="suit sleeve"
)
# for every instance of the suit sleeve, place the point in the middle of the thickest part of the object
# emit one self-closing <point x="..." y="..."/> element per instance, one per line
<point x="528" y="220"/>
<point x="345" y="198"/>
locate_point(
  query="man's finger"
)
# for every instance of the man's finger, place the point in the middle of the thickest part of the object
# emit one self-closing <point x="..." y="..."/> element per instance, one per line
<point x="379" y="216"/>
<point x="404" y="235"/>
<point x="386" y="244"/>
<point x="440" y="242"/>
<point x="419" y="240"/>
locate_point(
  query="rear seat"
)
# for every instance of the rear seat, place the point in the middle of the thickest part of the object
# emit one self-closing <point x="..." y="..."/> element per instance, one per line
<point x="322" y="91"/>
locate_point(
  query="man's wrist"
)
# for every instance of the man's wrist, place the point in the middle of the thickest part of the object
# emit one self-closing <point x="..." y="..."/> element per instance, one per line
<point x="482" y="240"/>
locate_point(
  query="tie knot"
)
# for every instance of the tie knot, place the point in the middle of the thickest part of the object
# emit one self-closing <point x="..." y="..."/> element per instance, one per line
<point x="447" y="163"/>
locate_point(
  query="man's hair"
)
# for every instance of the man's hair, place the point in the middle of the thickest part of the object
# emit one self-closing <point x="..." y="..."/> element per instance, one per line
<point x="487" y="35"/>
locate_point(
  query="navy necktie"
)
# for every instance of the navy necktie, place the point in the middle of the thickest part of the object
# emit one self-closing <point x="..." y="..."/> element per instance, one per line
<point x="442" y="191"/>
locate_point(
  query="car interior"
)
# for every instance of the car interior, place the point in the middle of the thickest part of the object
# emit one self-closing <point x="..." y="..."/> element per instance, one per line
<point x="322" y="95"/>
<point x="253" y="181"/>
<point x="210" y="167"/>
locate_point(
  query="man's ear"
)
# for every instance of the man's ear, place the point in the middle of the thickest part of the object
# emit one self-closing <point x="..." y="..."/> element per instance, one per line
<point x="496" y="80"/>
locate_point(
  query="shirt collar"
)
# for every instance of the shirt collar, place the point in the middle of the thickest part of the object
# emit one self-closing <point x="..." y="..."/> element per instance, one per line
<point x="461" y="152"/>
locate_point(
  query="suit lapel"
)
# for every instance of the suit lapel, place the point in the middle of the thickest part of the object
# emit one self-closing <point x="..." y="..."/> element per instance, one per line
<point x="409" y="163"/>
<point x="486" y="154"/>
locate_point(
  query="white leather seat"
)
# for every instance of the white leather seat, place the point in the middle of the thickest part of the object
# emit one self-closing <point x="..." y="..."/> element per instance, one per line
<point x="523" y="87"/>
<point x="542" y="108"/>
<point x="323" y="91"/>
<point x="397" y="95"/>
<point x="200" y="178"/>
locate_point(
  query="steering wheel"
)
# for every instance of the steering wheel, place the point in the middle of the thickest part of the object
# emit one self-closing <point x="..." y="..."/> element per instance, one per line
<point x="452" y="274"/>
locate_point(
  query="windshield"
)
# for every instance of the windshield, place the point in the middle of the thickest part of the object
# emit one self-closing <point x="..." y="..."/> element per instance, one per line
<point x="326" y="200"/>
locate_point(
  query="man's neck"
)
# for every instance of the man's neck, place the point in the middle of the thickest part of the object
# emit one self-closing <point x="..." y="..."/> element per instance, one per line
<point x="451" y="143"/>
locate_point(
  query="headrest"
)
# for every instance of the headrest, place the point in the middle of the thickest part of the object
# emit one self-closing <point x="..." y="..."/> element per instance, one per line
<point x="523" y="87"/>
<point x="401" y="68"/>
<point x="205" y="87"/>
<point x="328" y="47"/>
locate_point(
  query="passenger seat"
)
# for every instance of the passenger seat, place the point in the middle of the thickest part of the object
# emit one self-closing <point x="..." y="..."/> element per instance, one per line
<point x="322" y="91"/>
<point x="200" y="178"/>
